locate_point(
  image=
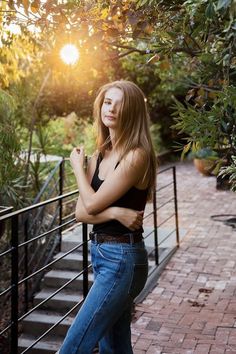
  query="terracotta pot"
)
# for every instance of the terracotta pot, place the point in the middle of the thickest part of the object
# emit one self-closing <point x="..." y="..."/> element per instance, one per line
<point x="204" y="166"/>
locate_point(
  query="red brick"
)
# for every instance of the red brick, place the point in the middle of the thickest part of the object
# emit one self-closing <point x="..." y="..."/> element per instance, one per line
<point x="202" y="349"/>
<point x="142" y="344"/>
<point x="206" y="259"/>
<point x="189" y="344"/>
<point x="154" y="350"/>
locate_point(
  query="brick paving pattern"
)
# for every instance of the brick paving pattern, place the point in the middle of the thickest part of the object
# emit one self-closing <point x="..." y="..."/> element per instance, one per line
<point x="192" y="309"/>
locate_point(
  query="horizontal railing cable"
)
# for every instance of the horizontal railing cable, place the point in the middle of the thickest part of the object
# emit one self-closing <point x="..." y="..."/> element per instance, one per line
<point x="69" y="201"/>
<point x="163" y="187"/>
<point x="34" y="206"/>
<point x="51" y="240"/>
<point x="78" y="224"/>
<point x="165" y="169"/>
<point x="6" y="252"/>
<point x="149" y="234"/>
<point x="151" y="251"/>
<point x="68" y="216"/>
<point x="44" y="267"/>
<point x="5" y="329"/>
<point x="163" y="222"/>
<point x="54" y="326"/>
<point x="4" y="292"/>
<point x="162" y="205"/>
<point x="166" y="237"/>
<point x="146" y="216"/>
<point x="52" y="295"/>
<point x="67" y="188"/>
<point x="35" y="273"/>
<point x="45" y="233"/>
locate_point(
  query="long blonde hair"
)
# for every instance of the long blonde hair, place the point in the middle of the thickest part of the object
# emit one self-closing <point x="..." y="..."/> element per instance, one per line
<point x="133" y="126"/>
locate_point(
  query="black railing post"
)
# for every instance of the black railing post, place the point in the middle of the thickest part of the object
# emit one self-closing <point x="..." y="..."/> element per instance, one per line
<point x="14" y="284"/>
<point x="26" y="273"/>
<point x="155" y="225"/>
<point x="85" y="259"/>
<point x="176" y="206"/>
<point x="61" y="183"/>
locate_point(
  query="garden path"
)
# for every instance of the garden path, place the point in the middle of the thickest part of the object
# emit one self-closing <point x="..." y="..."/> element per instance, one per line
<point x="192" y="308"/>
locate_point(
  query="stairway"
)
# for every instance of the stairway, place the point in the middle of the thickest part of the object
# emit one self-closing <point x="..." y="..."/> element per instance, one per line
<point x="39" y="321"/>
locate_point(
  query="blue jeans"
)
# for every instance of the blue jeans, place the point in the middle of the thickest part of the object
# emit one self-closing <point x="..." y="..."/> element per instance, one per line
<point x="120" y="273"/>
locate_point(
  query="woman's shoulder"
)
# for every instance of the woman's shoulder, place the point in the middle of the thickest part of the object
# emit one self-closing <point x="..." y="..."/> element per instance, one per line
<point x="137" y="156"/>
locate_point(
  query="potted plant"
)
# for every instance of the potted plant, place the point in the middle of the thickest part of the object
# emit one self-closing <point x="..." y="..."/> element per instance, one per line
<point x="211" y="125"/>
<point x="206" y="161"/>
<point x="229" y="172"/>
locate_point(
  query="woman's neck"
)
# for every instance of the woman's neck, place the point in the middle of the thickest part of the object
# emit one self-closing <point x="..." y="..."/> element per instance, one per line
<point x="112" y="137"/>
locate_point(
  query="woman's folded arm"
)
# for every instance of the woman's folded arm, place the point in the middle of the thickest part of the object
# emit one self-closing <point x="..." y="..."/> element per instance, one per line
<point x="132" y="219"/>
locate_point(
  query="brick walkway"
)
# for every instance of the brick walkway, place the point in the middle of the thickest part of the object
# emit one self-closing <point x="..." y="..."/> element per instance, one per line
<point x="193" y="307"/>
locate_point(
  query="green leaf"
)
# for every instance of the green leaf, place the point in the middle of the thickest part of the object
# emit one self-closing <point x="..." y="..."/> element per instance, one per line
<point x="223" y="4"/>
<point x="143" y="2"/>
<point x="210" y="10"/>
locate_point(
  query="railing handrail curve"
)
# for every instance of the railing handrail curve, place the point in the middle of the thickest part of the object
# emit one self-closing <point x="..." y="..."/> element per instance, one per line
<point x="38" y="205"/>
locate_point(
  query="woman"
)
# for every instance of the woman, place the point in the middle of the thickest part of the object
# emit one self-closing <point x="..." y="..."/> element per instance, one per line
<point x="113" y="195"/>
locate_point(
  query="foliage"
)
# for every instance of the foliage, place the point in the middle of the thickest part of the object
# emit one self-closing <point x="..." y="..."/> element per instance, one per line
<point x="89" y="23"/>
<point x="59" y="136"/>
<point x="156" y="137"/>
<point x="204" y="153"/>
<point x="171" y="49"/>
<point x="53" y="140"/>
<point x="207" y="117"/>
<point x="213" y="128"/>
<point x="231" y="172"/>
<point x="18" y="55"/>
<point x="160" y="79"/>
<point x="10" y="170"/>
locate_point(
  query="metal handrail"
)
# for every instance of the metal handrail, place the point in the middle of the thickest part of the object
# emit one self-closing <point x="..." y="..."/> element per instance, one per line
<point x="53" y="326"/>
<point x="167" y="202"/>
<point x="41" y="269"/>
<point x="169" y="234"/>
<point x="37" y="205"/>
<point x="167" y="219"/>
<point x="5" y="210"/>
<point x="163" y="187"/>
<point x="16" y="317"/>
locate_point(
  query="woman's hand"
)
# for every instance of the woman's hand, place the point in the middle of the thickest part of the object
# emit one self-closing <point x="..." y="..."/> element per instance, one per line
<point x="132" y="219"/>
<point x="77" y="158"/>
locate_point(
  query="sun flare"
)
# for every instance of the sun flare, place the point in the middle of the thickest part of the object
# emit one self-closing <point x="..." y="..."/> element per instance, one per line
<point x="69" y="54"/>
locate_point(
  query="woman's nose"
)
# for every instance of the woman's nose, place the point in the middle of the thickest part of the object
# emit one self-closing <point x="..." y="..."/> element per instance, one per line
<point x="111" y="108"/>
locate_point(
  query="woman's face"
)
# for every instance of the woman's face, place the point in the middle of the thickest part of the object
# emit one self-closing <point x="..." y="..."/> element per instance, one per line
<point x="111" y="106"/>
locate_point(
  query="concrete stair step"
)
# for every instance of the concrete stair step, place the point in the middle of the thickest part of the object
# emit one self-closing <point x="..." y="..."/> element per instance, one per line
<point x="56" y="278"/>
<point x="151" y="263"/>
<point x="72" y="261"/>
<point x="35" y="324"/>
<point x="45" y="346"/>
<point x="39" y="322"/>
<point x="73" y="238"/>
<point x="63" y="301"/>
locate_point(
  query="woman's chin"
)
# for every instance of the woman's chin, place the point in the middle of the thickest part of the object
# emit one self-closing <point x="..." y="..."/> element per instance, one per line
<point x="110" y="123"/>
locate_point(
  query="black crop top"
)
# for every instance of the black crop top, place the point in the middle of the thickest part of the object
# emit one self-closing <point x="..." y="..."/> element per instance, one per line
<point x="134" y="198"/>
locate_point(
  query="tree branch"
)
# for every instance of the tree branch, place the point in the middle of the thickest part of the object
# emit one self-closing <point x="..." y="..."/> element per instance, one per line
<point x="153" y="51"/>
<point x="32" y="123"/>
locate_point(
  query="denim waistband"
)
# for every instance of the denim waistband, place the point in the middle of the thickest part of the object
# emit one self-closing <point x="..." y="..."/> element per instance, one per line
<point x="121" y="238"/>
